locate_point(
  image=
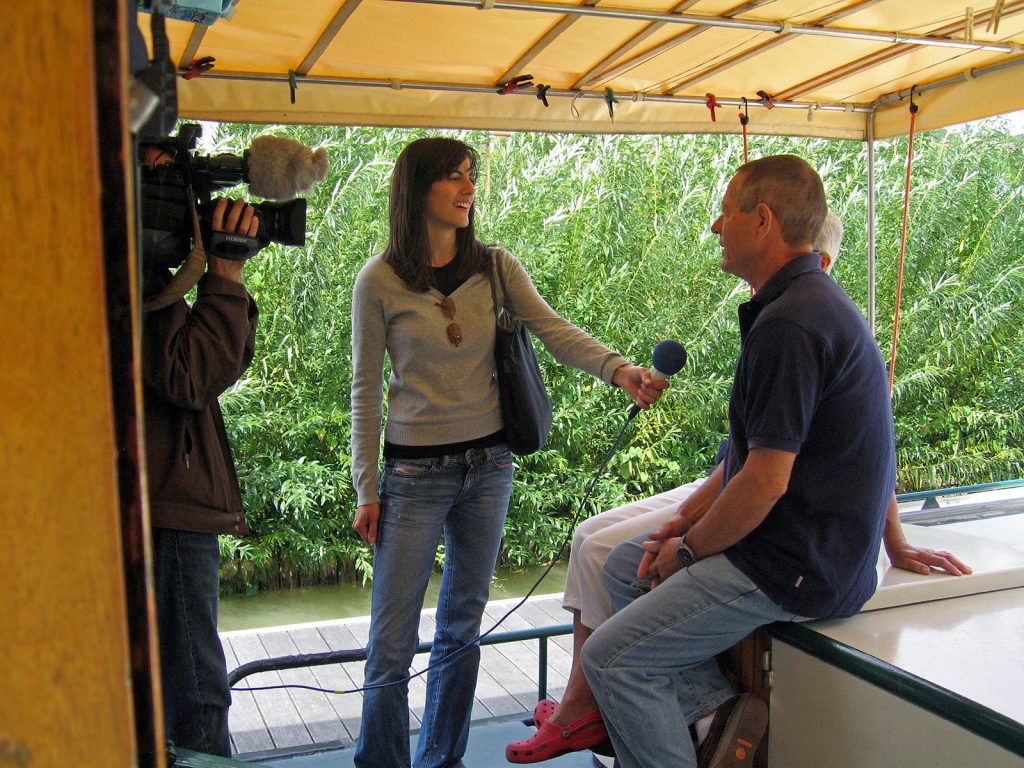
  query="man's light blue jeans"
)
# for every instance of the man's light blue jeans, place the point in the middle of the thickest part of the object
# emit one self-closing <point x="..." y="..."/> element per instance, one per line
<point x="652" y="664"/>
<point x="464" y="496"/>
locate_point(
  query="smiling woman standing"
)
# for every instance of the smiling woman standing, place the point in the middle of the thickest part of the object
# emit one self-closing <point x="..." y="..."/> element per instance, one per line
<point x="426" y="303"/>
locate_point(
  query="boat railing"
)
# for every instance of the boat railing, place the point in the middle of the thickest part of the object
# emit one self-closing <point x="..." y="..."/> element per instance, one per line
<point x="303" y="660"/>
<point x="952" y="504"/>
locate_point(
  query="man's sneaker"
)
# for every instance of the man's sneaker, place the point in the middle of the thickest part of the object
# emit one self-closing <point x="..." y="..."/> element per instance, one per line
<point x="738" y="728"/>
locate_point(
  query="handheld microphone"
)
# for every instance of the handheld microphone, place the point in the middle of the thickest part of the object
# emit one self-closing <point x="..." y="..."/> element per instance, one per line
<point x="668" y="359"/>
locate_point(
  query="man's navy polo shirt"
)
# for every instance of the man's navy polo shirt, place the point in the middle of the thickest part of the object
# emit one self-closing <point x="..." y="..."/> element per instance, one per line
<point x="810" y="380"/>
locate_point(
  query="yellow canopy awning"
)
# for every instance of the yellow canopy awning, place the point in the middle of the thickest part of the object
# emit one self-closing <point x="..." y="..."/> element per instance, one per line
<point x="623" y="66"/>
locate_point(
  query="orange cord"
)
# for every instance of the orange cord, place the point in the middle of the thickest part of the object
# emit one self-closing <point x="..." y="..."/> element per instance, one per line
<point x="744" y="119"/>
<point x="903" y="243"/>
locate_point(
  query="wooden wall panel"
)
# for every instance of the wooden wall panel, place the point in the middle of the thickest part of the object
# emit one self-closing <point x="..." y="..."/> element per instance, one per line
<point x="64" y="661"/>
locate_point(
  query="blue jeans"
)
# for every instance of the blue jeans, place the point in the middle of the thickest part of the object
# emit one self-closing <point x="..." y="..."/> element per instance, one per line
<point x="464" y="497"/>
<point x="652" y="664"/>
<point x="193" y="673"/>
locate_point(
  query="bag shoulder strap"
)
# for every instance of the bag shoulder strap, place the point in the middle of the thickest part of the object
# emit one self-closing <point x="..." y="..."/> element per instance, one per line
<point x="503" y="316"/>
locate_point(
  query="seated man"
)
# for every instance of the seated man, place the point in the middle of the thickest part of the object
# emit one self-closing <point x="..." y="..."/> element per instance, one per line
<point x="793" y="517"/>
<point x="573" y="725"/>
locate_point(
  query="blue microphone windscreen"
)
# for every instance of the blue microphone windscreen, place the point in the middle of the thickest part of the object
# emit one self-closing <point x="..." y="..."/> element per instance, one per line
<point x="669" y="357"/>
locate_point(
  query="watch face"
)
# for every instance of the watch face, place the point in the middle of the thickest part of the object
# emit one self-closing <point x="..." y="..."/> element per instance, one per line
<point x="685" y="554"/>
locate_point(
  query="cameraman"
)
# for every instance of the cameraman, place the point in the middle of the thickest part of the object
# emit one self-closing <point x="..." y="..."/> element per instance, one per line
<point x="190" y="356"/>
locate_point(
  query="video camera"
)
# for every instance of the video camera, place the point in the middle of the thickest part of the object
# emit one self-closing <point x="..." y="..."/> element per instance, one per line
<point x="274" y="167"/>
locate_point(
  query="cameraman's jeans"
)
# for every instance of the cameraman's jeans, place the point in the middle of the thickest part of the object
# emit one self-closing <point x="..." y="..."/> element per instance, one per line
<point x="652" y="665"/>
<point x="465" y="496"/>
<point x="192" y="669"/>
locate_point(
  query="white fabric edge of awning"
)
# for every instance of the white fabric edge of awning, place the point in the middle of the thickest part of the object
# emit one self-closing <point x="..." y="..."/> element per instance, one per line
<point x="994" y="93"/>
<point x="268" y="102"/>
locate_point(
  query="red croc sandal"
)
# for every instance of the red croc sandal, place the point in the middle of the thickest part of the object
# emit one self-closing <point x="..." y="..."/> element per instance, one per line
<point x="553" y="740"/>
<point x="544" y="709"/>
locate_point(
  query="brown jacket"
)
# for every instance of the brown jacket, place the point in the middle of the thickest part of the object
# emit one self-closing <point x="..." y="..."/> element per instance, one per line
<point x="190" y="356"/>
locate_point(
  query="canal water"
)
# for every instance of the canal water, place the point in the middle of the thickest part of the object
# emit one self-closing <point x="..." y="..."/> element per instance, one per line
<point x="343" y="601"/>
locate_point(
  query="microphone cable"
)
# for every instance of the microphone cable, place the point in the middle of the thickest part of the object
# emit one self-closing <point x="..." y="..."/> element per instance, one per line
<point x="476" y="641"/>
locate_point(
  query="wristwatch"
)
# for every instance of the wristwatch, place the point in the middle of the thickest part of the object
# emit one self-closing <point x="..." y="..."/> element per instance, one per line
<point x="686" y="555"/>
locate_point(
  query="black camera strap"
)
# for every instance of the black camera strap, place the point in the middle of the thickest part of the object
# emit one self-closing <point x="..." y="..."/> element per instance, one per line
<point x="188" y="274"/>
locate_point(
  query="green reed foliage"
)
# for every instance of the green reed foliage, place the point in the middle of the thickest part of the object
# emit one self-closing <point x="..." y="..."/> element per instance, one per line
<point x="615" y="232"/>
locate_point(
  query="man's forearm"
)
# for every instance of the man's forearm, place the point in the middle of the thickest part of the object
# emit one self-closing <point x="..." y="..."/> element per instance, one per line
<point x="744" y="503"/>
<point x="892" y="534"/>
<point x="699" y="502"/>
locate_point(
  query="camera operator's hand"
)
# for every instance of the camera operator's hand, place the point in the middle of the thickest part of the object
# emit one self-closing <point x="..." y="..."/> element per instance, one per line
<point x="240" y="219"/>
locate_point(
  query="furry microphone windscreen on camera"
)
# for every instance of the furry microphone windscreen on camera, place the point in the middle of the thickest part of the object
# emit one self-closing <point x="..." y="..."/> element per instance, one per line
<point x="279" y="168"/>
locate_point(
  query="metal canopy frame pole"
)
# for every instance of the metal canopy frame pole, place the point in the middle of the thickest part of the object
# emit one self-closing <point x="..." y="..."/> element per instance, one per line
<point x="969" y="74"/>
<point x="871" y="223"/>
<point x="416" y="85"/>
<point x="778" y="27"/>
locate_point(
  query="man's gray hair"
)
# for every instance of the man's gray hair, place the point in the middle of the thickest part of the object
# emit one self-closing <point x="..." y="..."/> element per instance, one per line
<point x="830" y="236"/>
<point x="791" y="188"/>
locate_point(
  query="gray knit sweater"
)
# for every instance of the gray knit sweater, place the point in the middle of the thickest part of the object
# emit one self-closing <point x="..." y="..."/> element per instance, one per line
<point x="438" y="393"/>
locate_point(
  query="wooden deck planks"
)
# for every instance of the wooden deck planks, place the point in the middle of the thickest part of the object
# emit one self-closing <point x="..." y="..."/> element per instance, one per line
<point x="340" y="719"/>
<point x="294" y="717"/>
<point x="320" y="719"/>
<point x="282" y="719"/>
<point x="348" y="676"/>
<point x="248" y="729"/>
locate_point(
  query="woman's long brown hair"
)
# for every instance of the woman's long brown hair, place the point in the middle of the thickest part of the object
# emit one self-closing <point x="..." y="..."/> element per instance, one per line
<point x="421" y="163"/>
